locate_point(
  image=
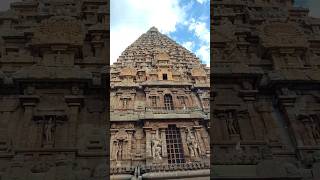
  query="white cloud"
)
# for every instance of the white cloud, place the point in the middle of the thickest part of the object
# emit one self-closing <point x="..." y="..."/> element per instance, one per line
<point x="202" y="1"/>
<point x="189" y="45"/>
<point x="204" y="54"/>
<point x="200" y="29"/>
<point x="131" y="18"/>
<point x="203" y="34"/>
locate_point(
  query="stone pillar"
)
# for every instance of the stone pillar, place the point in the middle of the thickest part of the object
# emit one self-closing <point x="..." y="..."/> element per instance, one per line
<point x="257" y="125"/>
<point x="74" y="103"/>
<point x="73" y="125"/>
<point x="112" y="150"/>
<point x="129" y="148"/>
<point x="5" y="137"/>
<point x="164" y="143"/>
<point x="184" y="142"/>
<point x="28" y="131"/>
<point x="148" y="102"/>
<point x="138" y="137"/>
<point x="266" y="113"/>
<point x="161" y="103"/>
<point x="148" y="143"/>
<point x="199" y="138"/>
<point x="175" y="100"/>
<point x="206" y="139"/>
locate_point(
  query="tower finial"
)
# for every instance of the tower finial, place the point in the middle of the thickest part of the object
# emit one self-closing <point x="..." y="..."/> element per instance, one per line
<point x="153" y="29"/>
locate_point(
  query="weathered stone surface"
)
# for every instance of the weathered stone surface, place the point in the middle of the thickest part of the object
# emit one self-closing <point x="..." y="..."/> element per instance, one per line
<point x="151" y="70"/>
<point x="265" y="101"/>
<point x="51" y="82"/>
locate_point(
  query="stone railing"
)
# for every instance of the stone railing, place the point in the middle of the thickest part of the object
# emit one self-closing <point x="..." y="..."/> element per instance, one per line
<point x="161" y="168"/>
<point x="166" y="110"/>
<point x="176" y="167"/>
<point x="122" y="170"/>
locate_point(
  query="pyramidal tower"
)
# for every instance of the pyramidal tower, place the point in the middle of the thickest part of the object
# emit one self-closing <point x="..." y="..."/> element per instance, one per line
<point x="159" y="110"/>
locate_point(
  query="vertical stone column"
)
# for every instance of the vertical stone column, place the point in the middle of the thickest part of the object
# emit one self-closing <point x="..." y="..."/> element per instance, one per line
<point x="148" y="143"/>
<point x="161" y="103"/>
<point x="5" y="136"/>
<point x="164" y="143"/>
<point x="257" y="125"/>
<point x="73" y="125"/>
<point x="28" y="130"/>
<point x="148" y="102"/>
<point x="199" y="138"/>
<point x="266" y="113"/>
<point x="206" y="139"/>
<point x="74" y="103"/>
<point x="112" y="150"/>
<point x="138" y="137"/>
<point x="26" y="125"/>
<point x="184" y="142"/>
<point x="175" y="101"/>
<point x="5" y="120"/>
<point x="129" y="148"/>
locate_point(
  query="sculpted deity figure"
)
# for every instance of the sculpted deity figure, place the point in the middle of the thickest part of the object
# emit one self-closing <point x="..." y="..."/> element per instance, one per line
<point x="312" y="133"/>
<point x="315" y="129"/>
<point x="231" y="124"/>
<point x="193" y="145"/>
<point x="156" y="147"/>
<point x="119" y="150"/>
<point x="48" y="130"/>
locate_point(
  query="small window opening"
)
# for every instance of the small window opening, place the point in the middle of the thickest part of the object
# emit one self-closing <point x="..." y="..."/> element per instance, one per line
<point x="164" y="76"/>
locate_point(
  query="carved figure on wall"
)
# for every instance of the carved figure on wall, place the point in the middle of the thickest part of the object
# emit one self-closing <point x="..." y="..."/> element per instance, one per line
<point x="287" y="92"/>
<point x="193" y="145"/>
<point x="231" y="124"/>
<point x="48" y="131"/>
<point x="119" y="150"/>
<point x="156" y="147"/>
<point x="315" y="128"/>
<point x="190" y="146"/>
<point x="312" y="133"/>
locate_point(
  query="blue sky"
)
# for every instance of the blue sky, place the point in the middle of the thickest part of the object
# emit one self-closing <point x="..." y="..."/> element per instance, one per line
<point x="185" y="21"/>
<point x="313" y="5"/>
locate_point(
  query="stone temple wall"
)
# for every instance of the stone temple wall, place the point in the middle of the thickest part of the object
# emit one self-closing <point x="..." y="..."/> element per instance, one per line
<point x="53" y="57"/>
<point x="159" y="111"/>
<point x="265" y="99"/>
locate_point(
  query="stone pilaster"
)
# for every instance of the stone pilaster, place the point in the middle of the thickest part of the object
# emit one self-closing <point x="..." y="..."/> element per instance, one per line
<point x="129" y="148"/>
<point x="199" y="138"/>
<point x="28" y="130"/>
<point x="112" y="149"/>
<point x="206" y="140"/>
<point x="74" y="103"/>
<point x="184" y="141"/>
<point x="148" y="142"/>
<point x="164" y="143"/>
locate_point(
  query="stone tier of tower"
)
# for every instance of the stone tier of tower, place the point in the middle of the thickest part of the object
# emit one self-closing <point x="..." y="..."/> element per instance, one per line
<point x="53" y="57"/>
<point x="265" y="64"/>
<point x="158" y="87"/>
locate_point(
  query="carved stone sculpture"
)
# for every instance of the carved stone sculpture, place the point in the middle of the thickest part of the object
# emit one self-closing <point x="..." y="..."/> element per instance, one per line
<point x="156" y="147"/>
<point x="193" y="145"/>
<point x="231" y="124"/>
<point x="48" y="131"/>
